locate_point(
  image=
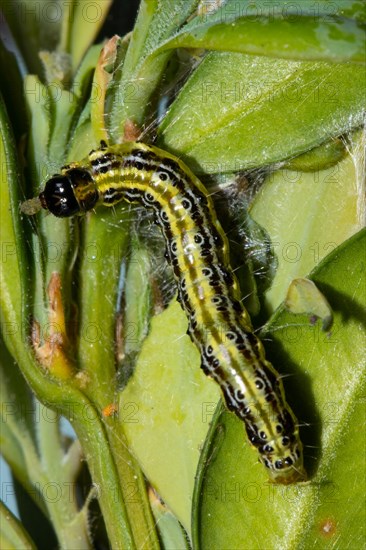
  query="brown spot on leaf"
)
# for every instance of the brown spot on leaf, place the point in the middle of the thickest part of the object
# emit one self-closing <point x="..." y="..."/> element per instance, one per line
<point x="328" y="527"/>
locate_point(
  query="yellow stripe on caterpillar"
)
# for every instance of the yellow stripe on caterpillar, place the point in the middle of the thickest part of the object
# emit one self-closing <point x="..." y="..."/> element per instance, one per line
<point x="208" y="292"/>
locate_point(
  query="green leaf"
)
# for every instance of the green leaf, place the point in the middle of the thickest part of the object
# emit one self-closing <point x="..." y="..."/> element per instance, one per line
<point x="332" y="208"/>
<point x="156" y="20"/>
<point x="333" y="33"/>
<point x="14" y="265"/>
<point x="237" y="111"/>
<point x="319" y="158"/>
<point x="315" y="31"/>
<point x="18" y="420"/>
<point x="12" y="533"/>
<point x="132" y="94"/>
<point x="166" y="409"/>
<point x="171" y="532"/>
<point x="86" y="20"/>
<point x="236" y="507"/>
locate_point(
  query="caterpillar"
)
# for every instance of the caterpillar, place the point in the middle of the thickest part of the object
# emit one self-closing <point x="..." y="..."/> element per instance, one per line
<point x="208" y="291"/>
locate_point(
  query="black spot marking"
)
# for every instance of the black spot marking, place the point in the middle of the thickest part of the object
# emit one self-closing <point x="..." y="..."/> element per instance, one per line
<point x="163" y="176"/>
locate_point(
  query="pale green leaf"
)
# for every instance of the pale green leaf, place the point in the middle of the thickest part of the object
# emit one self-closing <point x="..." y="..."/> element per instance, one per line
<point x="12" y="534"/>
<point x="238" y="112"/>
<point x="166" y="409"/>
<point x="84" y="21"/>
<point x="318" y="31"/>
<point x="237" y="507"/>
<point x="311" y="213"/>
<point x="134" y="88"/>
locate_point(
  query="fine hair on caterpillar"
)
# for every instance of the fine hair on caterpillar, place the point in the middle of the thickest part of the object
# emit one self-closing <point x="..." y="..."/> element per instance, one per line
<point x="208" y="291"/>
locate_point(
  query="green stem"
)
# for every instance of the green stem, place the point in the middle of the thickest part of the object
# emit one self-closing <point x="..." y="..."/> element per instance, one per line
<point x="60" y="497"/>
<point x="112" y="487"/>
<point x="133" y="489"/>
<point x="128" y="521"/>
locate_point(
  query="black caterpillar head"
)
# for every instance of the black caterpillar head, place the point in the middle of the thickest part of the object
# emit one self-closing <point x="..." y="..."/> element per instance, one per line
<point x="70" y="193"/>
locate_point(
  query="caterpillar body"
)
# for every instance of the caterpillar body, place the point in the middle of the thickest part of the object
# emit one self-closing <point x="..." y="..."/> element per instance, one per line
<point x="208" y="292"/>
